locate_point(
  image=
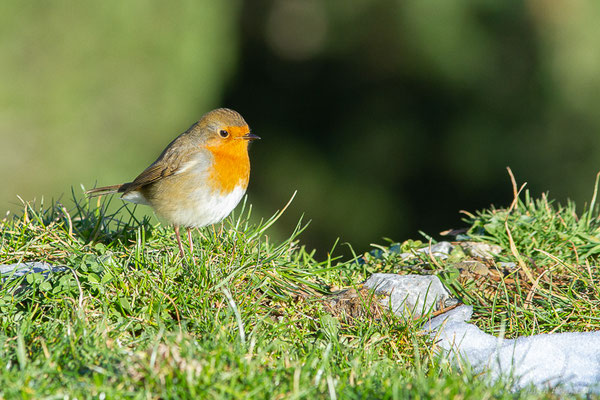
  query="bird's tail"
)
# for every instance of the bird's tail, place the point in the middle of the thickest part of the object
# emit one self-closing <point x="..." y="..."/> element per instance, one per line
<point x="101" y="191"/>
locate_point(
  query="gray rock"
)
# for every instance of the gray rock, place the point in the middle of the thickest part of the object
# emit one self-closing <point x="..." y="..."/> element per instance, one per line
<point x="13" y="271"/>
<point x="482" y="250"/>
<point x="508" y="265"/>
<point x="441" y="249"/>
<point x="409" y="295"/>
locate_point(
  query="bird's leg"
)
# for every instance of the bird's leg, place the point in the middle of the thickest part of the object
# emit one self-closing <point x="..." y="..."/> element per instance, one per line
<point x="179" y="241"/>
<point x="189" y="230"/>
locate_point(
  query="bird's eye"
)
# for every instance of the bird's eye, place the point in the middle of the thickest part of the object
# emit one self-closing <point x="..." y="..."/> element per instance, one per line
<point x="223" y="133"/>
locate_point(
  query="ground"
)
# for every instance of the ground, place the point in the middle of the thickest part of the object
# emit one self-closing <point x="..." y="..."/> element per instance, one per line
<point x="244" y="317"/>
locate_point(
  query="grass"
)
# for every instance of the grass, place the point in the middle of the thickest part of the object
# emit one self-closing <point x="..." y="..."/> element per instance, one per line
<point x="242" y="317"/>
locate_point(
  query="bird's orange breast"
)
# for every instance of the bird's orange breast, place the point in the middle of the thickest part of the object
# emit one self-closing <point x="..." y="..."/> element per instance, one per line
<point x="231" y="167"/>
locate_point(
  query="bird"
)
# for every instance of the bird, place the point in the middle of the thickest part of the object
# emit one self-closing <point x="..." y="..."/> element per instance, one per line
<point x="199" y="178"/>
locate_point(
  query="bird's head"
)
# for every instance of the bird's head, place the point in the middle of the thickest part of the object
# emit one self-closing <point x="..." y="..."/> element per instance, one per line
<point x="223" y="130"/>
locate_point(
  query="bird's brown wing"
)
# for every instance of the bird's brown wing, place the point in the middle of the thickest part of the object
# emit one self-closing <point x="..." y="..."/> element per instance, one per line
<point x="168" y="163"/>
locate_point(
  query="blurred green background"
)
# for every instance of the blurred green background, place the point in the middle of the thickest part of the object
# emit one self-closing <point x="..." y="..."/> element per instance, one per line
<point x="388" y="117"/>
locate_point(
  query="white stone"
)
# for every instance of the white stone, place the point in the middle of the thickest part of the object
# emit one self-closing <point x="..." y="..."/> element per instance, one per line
<point x="408" y="295"/>
<point x="567" y="361"/>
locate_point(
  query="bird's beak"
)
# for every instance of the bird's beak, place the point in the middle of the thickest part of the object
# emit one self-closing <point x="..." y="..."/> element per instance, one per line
<point x="250" y="136"/>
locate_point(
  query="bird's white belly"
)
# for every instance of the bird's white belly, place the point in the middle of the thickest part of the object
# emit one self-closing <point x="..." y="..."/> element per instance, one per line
<point x="205" y="207"/>
<point x="195" y="208"/>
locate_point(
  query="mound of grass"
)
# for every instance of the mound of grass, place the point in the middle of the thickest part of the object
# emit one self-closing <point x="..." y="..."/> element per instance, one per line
<point x="243" y="317"/>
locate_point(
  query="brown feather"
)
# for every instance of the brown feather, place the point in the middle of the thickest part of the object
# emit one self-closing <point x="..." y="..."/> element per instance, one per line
<point x="167" y="164"/>
<point x="103" y="190"/>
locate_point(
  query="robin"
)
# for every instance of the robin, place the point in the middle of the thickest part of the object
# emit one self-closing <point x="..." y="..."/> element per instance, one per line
<point x="199" y="178"/>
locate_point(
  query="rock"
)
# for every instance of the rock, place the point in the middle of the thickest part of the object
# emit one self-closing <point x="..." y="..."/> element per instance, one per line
<point x="567" y="362"/>
<point x="12" y="271"/>
<point x="481" y="250"/>
<point x="472" y="267"/>
<point x="510" y="266"/>
<point x="409" y="295"/>
<point x="441" y="249"/>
